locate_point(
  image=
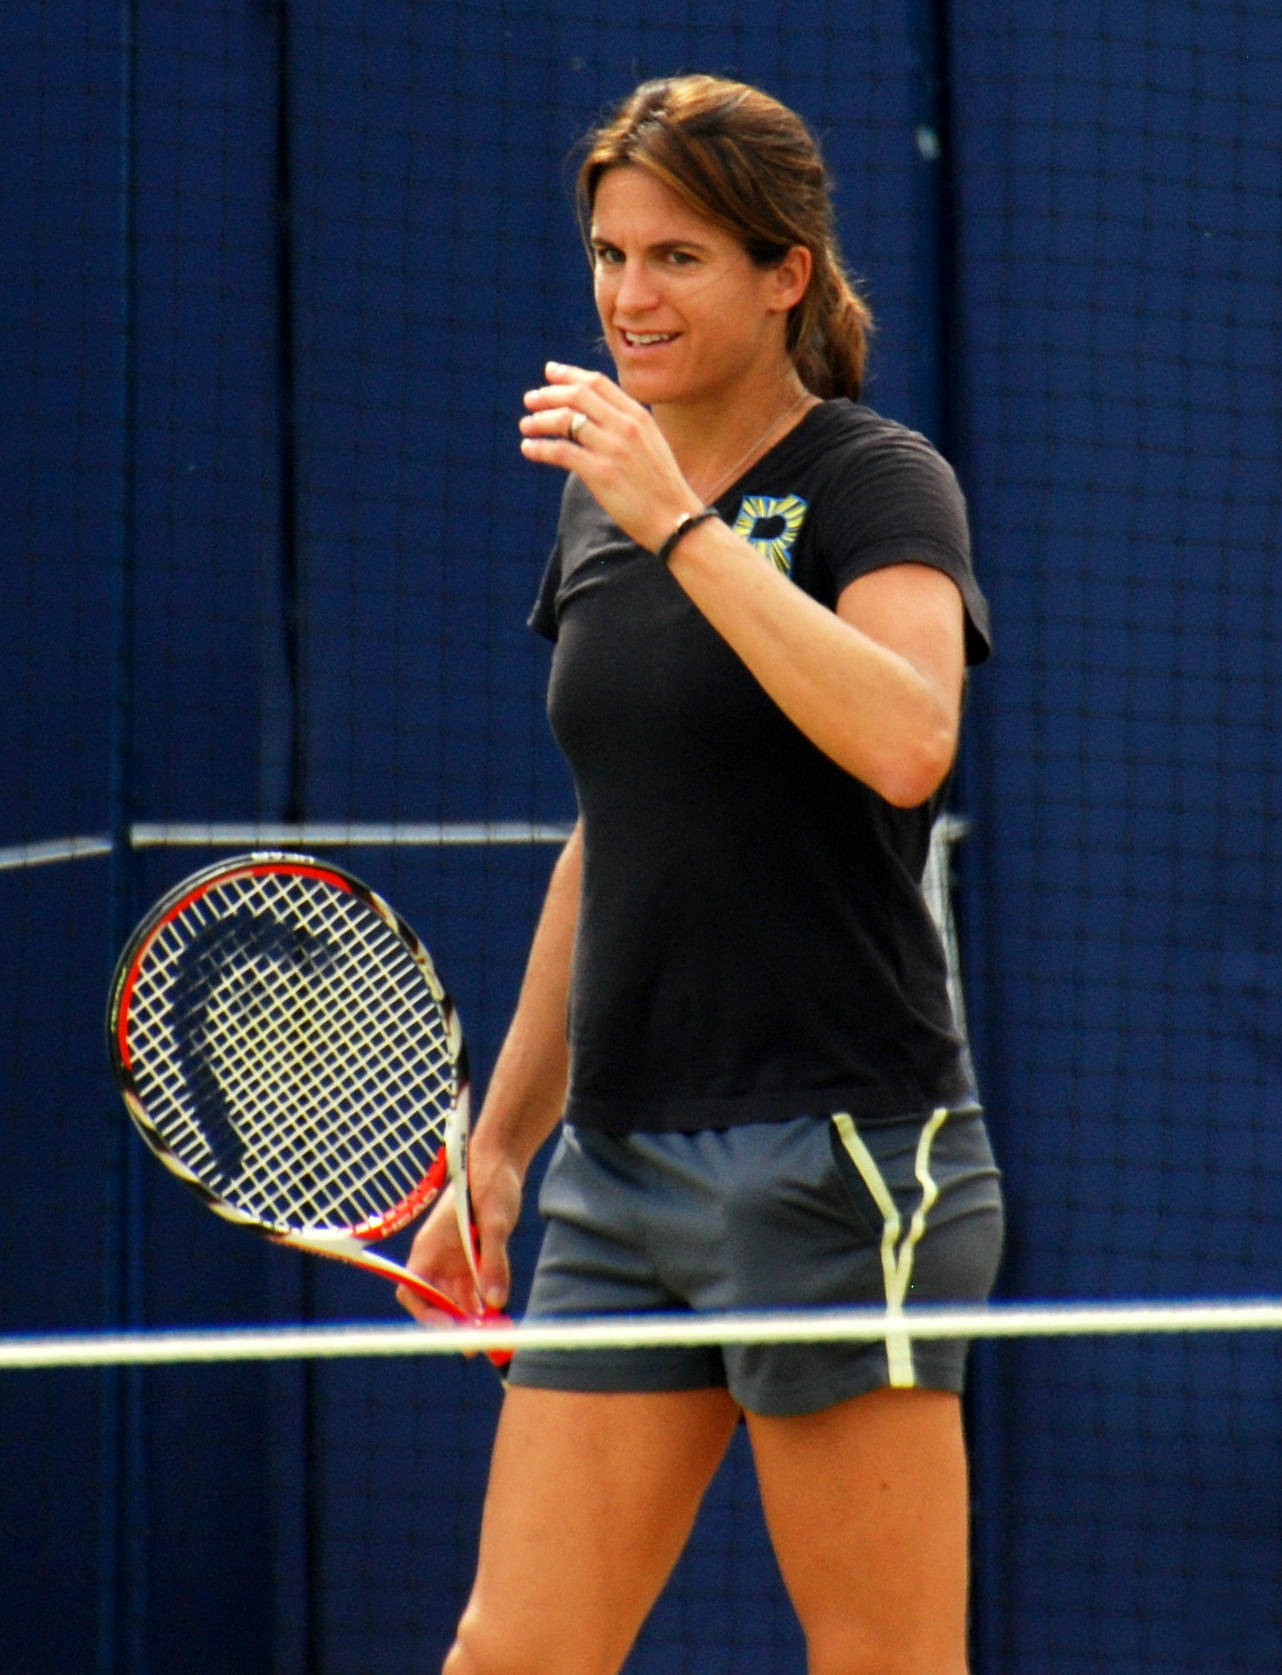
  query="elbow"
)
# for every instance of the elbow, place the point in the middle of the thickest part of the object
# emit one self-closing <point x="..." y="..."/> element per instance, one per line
<point x="913" y="771"/>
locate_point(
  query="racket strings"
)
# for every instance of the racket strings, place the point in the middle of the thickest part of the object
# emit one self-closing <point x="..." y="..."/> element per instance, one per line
<point x="290" y="1174"/>
<point x="300" y="1067"/>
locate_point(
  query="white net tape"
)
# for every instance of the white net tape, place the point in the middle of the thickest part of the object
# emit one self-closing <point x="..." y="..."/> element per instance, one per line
<point x="156" y="1348"/>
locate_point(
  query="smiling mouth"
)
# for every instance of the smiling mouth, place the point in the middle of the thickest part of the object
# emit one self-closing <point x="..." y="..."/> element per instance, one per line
<point x="646" y="340"/>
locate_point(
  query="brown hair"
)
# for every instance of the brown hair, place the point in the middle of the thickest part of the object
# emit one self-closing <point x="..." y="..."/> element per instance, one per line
<point x="750" y="165"/>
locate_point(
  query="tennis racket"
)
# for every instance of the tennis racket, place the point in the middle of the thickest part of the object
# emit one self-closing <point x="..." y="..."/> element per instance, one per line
<point x="285" y="1047"/>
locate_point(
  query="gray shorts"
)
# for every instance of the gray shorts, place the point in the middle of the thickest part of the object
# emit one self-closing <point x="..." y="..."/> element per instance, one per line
<point x="811" y="1213"/>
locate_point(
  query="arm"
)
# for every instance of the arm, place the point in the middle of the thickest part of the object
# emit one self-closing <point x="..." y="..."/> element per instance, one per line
<point x="522" y="1106"/>
<point x="876" y="685"/>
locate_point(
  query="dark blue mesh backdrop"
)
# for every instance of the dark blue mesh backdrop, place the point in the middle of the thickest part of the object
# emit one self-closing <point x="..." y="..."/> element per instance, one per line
<point x="273" y="279"/>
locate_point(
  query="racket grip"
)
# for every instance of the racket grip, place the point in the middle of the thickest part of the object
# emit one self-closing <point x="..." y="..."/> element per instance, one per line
<point x="500" y="1358"/>
<point x="446" y="1305"/>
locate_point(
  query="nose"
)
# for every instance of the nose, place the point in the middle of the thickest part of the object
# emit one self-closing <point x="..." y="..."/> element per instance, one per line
<point x="634" y="290"/>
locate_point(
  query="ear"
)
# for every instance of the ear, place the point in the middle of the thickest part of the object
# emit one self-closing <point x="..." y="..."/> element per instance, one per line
<point x="791" y="277"/>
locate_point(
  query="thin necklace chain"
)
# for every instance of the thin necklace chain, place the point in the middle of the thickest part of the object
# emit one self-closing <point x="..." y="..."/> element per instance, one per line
<point x="724" y="483"/>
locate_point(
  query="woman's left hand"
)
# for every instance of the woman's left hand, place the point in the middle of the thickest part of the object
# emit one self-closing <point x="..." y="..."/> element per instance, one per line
<point x="583" y="422"/>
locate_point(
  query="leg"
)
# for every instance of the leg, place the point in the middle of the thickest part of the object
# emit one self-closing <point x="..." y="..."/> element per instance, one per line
<point x="590" y="1501"/>
<point x="867" y="1508"/>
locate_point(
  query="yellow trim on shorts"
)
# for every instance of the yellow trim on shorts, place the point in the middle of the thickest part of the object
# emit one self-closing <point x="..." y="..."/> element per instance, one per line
<point x="898" y="1248"/>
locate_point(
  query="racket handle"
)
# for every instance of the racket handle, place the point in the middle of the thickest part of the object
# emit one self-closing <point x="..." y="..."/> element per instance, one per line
<point x="500" y="1358"/>
<point x="447" y="1305"/>
<point x="347" y="1249"/>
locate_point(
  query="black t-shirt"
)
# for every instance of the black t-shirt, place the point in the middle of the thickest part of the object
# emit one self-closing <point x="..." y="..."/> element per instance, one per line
<point x="753" y="943"/>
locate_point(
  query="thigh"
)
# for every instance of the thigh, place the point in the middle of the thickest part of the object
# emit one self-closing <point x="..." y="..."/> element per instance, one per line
<point x="866" y="1503"/>
<point x="590" y="1501"/>
<point x="608" y="1213"/>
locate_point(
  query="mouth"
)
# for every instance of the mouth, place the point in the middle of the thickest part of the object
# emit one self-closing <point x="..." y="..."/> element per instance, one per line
<point x="646" y="340"/>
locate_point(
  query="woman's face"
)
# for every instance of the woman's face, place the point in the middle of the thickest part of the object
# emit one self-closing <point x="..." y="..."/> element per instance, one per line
<point x="688" y="316"/>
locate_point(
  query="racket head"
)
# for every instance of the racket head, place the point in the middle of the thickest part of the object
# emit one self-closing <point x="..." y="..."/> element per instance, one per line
<point x="285" y="1047"/>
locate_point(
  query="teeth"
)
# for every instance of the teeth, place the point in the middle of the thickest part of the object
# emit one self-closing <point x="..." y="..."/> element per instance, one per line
<point x="644" y="338"/>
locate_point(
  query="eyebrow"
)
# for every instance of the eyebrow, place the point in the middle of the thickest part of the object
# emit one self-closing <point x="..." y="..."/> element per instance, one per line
<point x="659" y="247"/>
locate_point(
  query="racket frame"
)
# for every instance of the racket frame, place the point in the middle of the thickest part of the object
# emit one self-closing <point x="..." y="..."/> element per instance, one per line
<point x="349" y="1244"/>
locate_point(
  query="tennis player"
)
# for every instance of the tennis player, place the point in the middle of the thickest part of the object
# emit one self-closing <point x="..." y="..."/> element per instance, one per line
<point x="762" y="605"/>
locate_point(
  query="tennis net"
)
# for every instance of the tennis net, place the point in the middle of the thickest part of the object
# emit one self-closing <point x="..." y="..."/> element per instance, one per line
<point x="353" y="1421"/>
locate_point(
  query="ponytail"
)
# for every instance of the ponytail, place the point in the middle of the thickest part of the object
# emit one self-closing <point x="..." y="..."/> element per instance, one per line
<point x="829" y="332"/>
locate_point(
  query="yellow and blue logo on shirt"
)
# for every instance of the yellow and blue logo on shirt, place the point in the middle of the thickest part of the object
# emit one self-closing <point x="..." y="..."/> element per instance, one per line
<point x="771" y="524"/>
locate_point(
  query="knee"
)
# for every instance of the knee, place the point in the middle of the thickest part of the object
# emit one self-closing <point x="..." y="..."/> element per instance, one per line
<point x="859" y="1656"/>
<point x="461" y="1659"/>
<point x="474" y="1653"/>
<point x="873" y="1665"/>
<point x="465" y="1657"/>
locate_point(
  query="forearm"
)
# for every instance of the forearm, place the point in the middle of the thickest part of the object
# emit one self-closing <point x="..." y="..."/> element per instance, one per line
<point x="884" y="714"/>
<point x="526" y="1092"/>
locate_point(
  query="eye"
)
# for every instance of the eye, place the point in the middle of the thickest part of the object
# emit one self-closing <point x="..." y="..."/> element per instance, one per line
<point x="607" y="255"/>
<point x="682" y="259"/>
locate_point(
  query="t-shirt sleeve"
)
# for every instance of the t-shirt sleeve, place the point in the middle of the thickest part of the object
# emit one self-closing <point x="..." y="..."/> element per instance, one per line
<point x="576" y="502"/>
<point x="542" y="617"/>
<point x="897" y="501"/>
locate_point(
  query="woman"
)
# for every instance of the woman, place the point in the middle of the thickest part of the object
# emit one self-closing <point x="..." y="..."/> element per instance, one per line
<point x="762" y="606"/>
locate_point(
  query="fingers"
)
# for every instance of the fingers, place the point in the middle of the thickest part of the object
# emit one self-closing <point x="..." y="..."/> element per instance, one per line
<point x="496" y="1273"/>
<point x="438" y="1255"/>
<point x="496" y="1213"/>
<point x="571" y="399"/>
<point x="415" y="1303"/>
<point x="579" y="387"/>
<point x="583" y="422"/>
<point x="580" y="421"/>
<point x="428" y="1302"/>
<point x="553" y="425"/>
<point x="438" y="1258"/>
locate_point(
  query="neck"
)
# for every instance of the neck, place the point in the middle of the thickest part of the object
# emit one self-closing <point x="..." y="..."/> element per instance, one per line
<point x="713" y="451"/>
